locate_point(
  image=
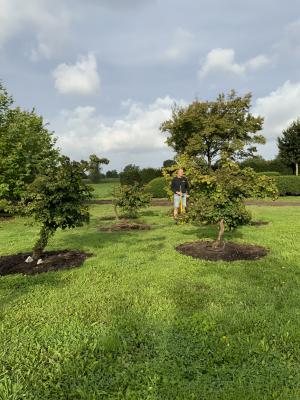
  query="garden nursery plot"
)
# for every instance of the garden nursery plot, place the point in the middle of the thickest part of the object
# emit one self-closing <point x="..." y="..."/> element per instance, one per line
<point x="138" y="320"/>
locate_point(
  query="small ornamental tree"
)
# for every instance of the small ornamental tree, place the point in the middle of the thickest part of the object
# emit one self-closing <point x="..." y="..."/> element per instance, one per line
<point x="130" y="199"/>
<point x="57" y="200"/>
<point x="218" y="198"/>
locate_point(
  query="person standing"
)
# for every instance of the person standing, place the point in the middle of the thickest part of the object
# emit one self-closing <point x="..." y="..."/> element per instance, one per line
<point x="180" y="188"/>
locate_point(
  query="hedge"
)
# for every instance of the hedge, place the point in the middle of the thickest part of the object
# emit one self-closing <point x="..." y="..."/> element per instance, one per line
<point x="157" y="188"/>
<point x="288" y="185"/>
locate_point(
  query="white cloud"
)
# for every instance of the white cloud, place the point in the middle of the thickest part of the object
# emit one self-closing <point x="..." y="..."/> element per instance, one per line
<point x="182" y="46"/>
<point x="279" y="108"/>
<point x="82" y="131"/>
<point x="80" y="78"/>
<point x="49" y="21"/>
<point x="223" y="60"/>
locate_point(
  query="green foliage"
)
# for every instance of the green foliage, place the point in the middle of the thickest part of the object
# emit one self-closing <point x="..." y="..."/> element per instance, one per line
<point x="130" y="175"/>
<point x="112" y="174"/>
<point x="94" y="168"/>
<point x="220" y="195"/>
<point x="259" y="164"/>
<point x="168" y="163"/>
<point x="26" y="148"/>
<point x="289" y="145"/>
<point x="131" y="199"/>
<point x="148" y="174"/>
<point x="56" y="200"/>
<point x="157" y="188"/>
<point x="288" y="185"/>
<point x="215" y="130"/>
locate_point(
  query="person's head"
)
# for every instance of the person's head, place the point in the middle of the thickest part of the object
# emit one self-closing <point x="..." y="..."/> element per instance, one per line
<point x="180" y="172"/>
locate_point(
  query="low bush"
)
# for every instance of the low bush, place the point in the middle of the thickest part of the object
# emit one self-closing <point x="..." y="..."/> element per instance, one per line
<point x="288" y="185"/>
<point x="130" y="199"/>
<point x="157" y="188"/>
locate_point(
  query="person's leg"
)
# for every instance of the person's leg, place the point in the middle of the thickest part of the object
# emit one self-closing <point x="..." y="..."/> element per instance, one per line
<point x="176" y="205"/>
<point x="183" y="198"/>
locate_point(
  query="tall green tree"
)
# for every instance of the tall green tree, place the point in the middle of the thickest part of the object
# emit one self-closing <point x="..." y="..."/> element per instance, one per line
<point x="94" y="167"/>
<point x="26" y="148"/>
<point x="214" y="130"/>
<point x="289" y="145"/>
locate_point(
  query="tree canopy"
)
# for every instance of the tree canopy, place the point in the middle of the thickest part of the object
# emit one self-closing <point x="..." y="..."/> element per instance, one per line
<point x="214" y="130"/>
<point x="289" y="145"/>
<point x="26" y="148"/>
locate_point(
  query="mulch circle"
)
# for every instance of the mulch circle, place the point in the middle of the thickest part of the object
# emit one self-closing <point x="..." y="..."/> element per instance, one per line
<point x="229" y="251"/>
<point x="52" y="261"/>
<point x="259" y="223"/>
<point x="125" y="226"/>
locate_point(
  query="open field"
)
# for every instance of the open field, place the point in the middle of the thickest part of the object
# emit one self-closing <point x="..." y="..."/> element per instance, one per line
<point x="140" y="321"/>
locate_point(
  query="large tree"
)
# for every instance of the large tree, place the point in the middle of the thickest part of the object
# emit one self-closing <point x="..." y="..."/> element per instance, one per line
<point x="26" y="148"/>
<point x="215" y="130"/>
<point x="289" y="145"/>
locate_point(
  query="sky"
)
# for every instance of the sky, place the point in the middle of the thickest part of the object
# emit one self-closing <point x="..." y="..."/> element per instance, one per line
<point x="106" y="73"/>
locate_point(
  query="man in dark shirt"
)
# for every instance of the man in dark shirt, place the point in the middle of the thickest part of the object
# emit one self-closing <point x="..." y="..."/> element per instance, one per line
<point x="180" y="188"/>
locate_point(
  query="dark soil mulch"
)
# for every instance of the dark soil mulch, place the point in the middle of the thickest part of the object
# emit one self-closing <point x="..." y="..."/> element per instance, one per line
<point x="4" y="217"/>
<point x="107" y="218"/>
<point x="229" y="251"/>
<point x="52" y="261"/>
<point x="259" y="223"/>
<point x="125" y="226"/>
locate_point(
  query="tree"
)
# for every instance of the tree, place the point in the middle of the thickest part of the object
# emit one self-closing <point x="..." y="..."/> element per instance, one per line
<point x="148" y="174"/>
<point x="215" y="130"/>
<point x="168" y="163"/>
<point x="218" y="197"/>
<point x="130" y="198"/>
<point x="130" y="175"/>
<point x="26" y="148"/>
<point x="289" y="145"/>
<point x="56" y="199"/>
<point x="94" y="168"/>
<point x="259" y="164"/>
<point x="112" y="174"/>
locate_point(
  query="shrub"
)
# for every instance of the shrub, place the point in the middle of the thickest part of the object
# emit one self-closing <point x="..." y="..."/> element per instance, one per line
<point x="269" y="173"/>
<point x="288" y="185"/>
<point x="130" y="199"/>
<point x="157" y="188"/>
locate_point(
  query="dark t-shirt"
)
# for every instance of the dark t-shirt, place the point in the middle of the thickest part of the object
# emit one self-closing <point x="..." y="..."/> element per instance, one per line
<point x="180" y="184"/>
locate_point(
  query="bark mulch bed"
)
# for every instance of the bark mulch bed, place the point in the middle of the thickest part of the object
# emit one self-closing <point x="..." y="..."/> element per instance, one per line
<point x="52" y="261"/>
<point x="125" y="226"/>
<point x="228" y="251"/>
<point x="259" y="223"/>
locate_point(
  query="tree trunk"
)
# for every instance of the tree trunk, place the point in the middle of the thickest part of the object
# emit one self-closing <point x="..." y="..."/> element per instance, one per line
<point x="42" y="242"/>
<point x="217" y="242"/>
<point x="116" y="211"/>
<point x="296" y="169"/>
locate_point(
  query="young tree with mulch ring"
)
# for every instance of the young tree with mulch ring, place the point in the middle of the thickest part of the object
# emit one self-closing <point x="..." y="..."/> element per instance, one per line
<point x="57" y="200"/>
<point x="130" y="199"/>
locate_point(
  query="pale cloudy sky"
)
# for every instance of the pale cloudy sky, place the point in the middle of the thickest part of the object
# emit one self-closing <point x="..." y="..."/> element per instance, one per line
<point x="105" y="73"/>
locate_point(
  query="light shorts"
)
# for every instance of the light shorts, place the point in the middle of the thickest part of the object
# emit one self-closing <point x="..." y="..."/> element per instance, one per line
<point x="177" y="200"/>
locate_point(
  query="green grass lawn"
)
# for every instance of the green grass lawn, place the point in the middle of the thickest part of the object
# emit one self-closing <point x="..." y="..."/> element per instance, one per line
<point x="140" y="321"/>
<point x="104" y="190"/>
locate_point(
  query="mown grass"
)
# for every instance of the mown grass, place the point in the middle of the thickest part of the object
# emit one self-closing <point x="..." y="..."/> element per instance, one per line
<point x="140" y="321"/>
